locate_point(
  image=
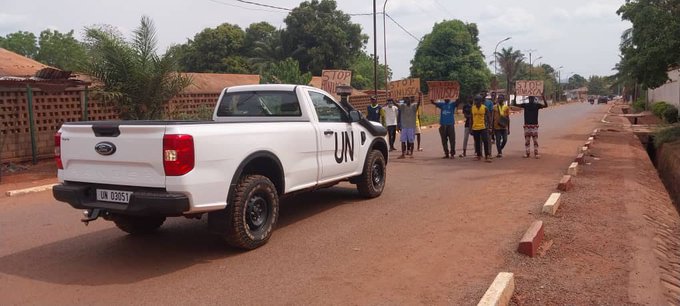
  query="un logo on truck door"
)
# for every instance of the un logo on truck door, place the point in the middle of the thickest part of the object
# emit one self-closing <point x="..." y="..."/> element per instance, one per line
<point x="346" y="148"/>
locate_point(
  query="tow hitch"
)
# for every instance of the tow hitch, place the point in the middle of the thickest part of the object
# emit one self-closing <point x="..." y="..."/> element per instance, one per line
<point x="91" y="215"/>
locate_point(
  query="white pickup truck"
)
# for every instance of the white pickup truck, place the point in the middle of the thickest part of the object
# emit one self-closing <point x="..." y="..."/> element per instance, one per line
<point x="264" y="142"/>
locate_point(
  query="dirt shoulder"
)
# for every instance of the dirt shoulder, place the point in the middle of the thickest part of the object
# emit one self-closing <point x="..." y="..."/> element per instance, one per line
<point x="613" y="240"/>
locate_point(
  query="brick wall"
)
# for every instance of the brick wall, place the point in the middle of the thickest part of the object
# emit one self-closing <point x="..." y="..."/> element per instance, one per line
<point x="51" y="110"/>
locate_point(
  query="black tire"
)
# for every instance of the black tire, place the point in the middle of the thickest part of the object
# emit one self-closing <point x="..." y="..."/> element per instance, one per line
<point x="372" y="180"/>
<point x="138" y="225"/>
<point x="250" y="217"/>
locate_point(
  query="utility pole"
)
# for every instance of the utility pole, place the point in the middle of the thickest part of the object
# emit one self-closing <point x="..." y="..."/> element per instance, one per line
<point x="387" y="77"/>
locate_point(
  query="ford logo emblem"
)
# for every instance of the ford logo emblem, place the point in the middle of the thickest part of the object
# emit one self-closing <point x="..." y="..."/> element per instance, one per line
<point x="105" y="148"/>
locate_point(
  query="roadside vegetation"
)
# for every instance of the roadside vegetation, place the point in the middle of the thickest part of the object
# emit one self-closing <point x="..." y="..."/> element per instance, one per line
<point x="667" y="135"/>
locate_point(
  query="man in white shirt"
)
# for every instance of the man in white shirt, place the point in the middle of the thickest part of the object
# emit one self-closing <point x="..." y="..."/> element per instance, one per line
<point x="390" y="113"/>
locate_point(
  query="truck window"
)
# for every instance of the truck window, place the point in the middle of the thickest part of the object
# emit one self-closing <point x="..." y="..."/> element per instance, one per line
<point x="259" y="104"/>
<point x="326" y="109"/>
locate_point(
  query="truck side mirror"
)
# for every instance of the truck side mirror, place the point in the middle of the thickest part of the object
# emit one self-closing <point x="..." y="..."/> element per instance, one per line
<point x="354" y="115"/>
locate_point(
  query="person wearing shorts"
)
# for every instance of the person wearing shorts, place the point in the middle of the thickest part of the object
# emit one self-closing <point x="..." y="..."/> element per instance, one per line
<point x="407" y="125"/>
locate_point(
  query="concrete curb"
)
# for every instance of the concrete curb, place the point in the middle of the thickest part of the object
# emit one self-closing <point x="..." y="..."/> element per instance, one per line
<point x="500" y="292"/>
<point x="18" y="192"/>
<point x="532" y="239"/>
<point x="565" y="184"/>
<point x="573" y="169"/>
<point x="552" y="204"/>
<point x="580" y="159"/>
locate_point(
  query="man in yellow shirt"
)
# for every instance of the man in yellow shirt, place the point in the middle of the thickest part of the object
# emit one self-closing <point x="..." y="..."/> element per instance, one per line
<point x="501" y="124"/>
<point x="480" y="129"/>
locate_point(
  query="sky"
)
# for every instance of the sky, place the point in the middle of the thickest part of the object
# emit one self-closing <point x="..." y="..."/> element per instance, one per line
<point x="580" y="35"/>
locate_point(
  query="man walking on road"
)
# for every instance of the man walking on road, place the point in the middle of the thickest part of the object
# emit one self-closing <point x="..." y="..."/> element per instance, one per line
<point x="480" y="129"/>
<point x="407" y="126"/>
<point x="501" y="123"/>
<point x="531" y="123"/>
<point x="373" y="111"/>
<point x="390" y="113"/>
<point x="446" y="126"/>
<point x="418" y="129"/>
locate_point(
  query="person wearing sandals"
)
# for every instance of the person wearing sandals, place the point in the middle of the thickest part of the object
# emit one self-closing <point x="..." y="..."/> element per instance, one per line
<point x="407" y="126"/>
<point x="501" y="123"/>
<point x="480" y="129"/>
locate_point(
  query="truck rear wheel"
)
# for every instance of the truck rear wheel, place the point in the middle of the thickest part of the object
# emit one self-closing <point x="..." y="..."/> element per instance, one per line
<point x="137" y="225"/>
<point x="372" y="180"/>
<point x="249" y="219"/>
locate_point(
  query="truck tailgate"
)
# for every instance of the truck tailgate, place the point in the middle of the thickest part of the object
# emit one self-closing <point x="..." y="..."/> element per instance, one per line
<point x="137" y="158"/>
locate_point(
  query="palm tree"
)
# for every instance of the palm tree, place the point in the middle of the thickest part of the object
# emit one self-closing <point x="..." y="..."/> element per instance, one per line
<point x="510" y="61"/>
<point x="135" y="79"/>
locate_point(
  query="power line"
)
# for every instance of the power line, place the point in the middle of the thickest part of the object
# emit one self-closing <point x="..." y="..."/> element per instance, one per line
<point x="401" y="27"/>
<point x="243" y="7"/>
<point x="264" y="5"/>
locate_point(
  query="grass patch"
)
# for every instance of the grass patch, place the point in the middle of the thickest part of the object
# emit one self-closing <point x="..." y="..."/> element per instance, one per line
<point x="667" y="135"/>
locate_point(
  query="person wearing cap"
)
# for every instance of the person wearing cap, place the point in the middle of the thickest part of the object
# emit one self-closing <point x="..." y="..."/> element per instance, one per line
<point x="373" y="111"/>
<point x="447" y="130"/>
<point x="480" y="129"/>
<point x="390" y="112"/>
<point x="531" y="123"/>
<point x="407" y="126"/>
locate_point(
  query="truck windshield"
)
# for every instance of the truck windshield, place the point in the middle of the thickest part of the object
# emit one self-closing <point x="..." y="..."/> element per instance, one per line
<point x="259" y="104"/>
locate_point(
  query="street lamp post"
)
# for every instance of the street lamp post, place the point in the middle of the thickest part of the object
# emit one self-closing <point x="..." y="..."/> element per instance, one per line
<point x="387" y="84"/>
<point x="495" y="59"/>
<point x="375" y="52"/>
<point x="559" y="83"/>
<point x="531" y="65"/>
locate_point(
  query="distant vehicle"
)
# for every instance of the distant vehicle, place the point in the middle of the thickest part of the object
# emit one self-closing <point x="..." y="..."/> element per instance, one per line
<point x="591" y="99"/>
<point x="602" y="99"/>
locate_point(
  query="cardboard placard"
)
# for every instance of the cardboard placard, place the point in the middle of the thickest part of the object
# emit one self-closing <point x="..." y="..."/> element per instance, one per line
<point x="405" y="88"/>
<point x="440" y="90"/>
<point x="529" y="88"/>
<point x="330" y="79"/>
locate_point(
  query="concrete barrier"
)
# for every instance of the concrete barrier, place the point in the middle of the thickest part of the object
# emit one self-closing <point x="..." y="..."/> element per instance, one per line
<point x="500" y="292"/>
<point x="532" y="239"/>
<point x="552" y="204"/>
<point x="580" y="159"/>
<point x="13" y="193"/>
<point x="565" y="184"/>
<point x="584" y="150"/>
<point x="573" y="169"/>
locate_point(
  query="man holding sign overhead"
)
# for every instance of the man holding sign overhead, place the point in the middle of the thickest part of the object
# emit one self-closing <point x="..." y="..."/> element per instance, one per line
<point x="533" y="89"/>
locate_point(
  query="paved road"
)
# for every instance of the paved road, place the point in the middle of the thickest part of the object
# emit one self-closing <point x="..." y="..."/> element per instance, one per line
<point x="438" y="234"/>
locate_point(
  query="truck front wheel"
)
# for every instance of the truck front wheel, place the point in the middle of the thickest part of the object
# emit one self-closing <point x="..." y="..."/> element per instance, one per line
<point x="136" y="225"/>
<point x="372" y="181"/>
<point x="249" y="219"/>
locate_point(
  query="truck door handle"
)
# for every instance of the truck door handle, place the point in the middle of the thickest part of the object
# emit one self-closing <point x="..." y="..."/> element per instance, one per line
<point x="328" y="132"/>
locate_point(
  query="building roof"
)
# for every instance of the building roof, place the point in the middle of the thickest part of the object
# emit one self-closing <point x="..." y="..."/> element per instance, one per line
<point x="12" y="64"/>
<point x="215" y="82"/>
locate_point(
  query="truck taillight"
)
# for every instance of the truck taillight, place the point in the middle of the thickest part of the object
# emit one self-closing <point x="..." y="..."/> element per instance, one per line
<point x="178" y="154"/>
<point x="57" y="150"/>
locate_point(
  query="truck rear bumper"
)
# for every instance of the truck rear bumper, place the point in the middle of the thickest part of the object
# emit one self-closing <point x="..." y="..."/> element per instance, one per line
<point x="143" y="201"/>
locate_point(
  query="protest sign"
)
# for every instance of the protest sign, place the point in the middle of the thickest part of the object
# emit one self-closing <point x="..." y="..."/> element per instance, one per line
<point x="440" y="90"/>
<point x="404" y="88"/>
<point x="330" y="79"/>
<point x="529" y="88"/>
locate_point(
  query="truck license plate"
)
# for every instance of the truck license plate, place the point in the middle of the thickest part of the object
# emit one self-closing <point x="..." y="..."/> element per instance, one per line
<point x="113" y="196"/>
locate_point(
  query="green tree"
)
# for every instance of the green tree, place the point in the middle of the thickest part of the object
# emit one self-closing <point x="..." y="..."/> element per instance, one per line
<point x="598" y="85"/>
<point x="214" y="50"/>
<point x="509" y="60"/>
<point x="362" y="72"/>
<point x="256" y="32"/>
<point x="324" y="36"/>
<point x="60" y="50"/>
<point x="650" y="47"/>
<point x="268" y="51"/>
<point x="577" y="81"/>
<point x="451" y="52"/>
<point x="286" y="72"/>
<point x="135" y="78"/>
<point x="22" y="42"/>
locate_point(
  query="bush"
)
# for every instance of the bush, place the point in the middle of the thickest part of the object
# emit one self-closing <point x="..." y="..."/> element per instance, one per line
<point x="670" y="115"/>
<point x="639" y="105"/>
<point x="667" y="135"/>
<point x="659" y="108"/>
